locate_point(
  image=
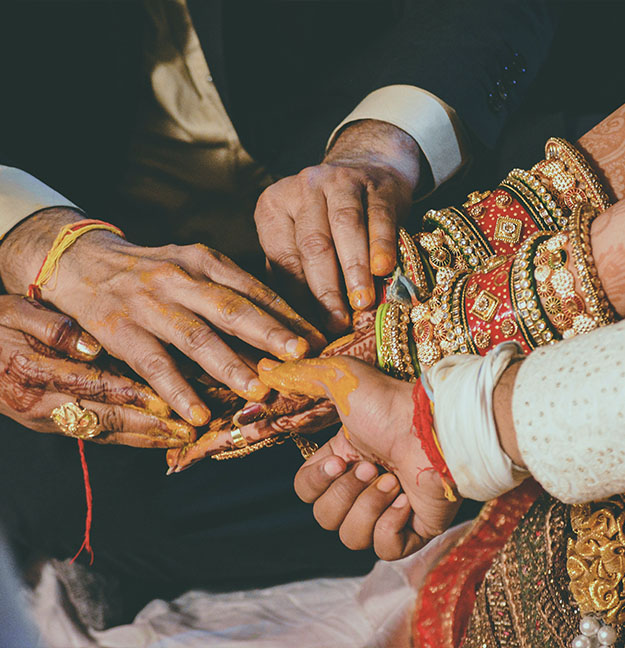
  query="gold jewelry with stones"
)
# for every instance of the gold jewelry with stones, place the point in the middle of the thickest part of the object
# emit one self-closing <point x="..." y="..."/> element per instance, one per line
<point x="535" y="326"/>
<point x="509" y="327"/>
<point x="76" y="421"/>
<point x="412" y="264"/>
<point x="395" y="351"/>
<point x="538" y="203"/>
<point x="599" y="306"/>
<point x="485" y="306"/>
<point x="467" y="239"/>
<point x="507" y="229"/>
<point x="565" y="307"/>
<point x="237" y="438"/>
<point x="589" y="187"/>
<point x="596" y="558"/>
<point x="444" y="256"/>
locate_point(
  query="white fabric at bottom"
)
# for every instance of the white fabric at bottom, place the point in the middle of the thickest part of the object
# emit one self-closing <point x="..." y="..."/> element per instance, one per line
<point x="367" y="612"/>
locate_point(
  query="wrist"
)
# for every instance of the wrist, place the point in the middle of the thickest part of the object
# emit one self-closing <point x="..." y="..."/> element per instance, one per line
<point x="373" y="143"/>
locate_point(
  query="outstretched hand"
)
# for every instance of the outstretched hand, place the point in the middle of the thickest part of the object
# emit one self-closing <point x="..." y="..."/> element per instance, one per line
<point x="376" y="412"/>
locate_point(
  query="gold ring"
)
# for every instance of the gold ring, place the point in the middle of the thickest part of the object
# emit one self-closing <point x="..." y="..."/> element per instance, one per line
<point x="76" y="421"/>
<point x="237" y="438"/>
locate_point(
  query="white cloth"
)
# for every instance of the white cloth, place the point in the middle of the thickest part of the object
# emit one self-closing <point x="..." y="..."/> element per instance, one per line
<point x="569" y="412"/>
<point x="367" y="612"/>
<point x="461" y="387"/>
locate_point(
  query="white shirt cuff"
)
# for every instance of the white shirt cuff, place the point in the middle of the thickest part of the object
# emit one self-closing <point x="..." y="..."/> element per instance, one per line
<point x="22" y="195"/>
<point x="427" y="119"/>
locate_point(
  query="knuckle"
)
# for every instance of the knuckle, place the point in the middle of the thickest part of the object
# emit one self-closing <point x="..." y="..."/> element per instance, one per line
<point x="309" y="176"/>
<point x="232" y="310"/>
<point x="315" y="245"/>
<point x="289" y="261"/>
<point x="231" y="369"/>
<point x="324" y="520"/>
<point x="155" y="364"/>
<point x="57" y="330"/>
<point x="352" y="541"/>
<point x="112" y="419"/>
<point x="196" y="338"/>
<point x="346" y="217"/>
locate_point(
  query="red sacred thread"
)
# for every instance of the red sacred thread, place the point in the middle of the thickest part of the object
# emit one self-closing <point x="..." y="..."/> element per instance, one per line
<point x="86" y="543"/>
<point x="423" y="423"/>
<point x="66" y="237"/>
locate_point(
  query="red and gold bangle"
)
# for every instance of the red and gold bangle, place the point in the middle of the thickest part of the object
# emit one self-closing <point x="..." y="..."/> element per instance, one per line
<point x="489" y="307"/>
<point x="423" y="425"/>
<point x="412" y="264"/>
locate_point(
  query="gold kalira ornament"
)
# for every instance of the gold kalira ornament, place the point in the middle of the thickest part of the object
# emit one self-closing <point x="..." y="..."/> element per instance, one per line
<point x="76" y="421"/>
<point x="596" y="558"/>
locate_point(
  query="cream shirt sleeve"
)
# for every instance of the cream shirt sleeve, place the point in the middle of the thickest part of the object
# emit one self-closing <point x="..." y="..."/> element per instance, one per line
<point x="427" y="119"/>
<point x="568" y="407"/>
<point x="22" y="195"/>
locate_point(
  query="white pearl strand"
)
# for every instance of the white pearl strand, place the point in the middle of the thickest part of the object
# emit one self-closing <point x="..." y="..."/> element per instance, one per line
<point x="594" y="633"/>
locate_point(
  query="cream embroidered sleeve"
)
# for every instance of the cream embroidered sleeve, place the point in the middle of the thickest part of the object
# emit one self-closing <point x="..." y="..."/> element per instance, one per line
<point x="22" y="195"/>
<point x="569" y="414"/>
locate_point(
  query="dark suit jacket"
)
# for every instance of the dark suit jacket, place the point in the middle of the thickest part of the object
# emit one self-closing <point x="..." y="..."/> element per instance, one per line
<point x="288" y="70"/>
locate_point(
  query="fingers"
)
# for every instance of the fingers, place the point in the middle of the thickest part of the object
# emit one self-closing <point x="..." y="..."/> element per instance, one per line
<point x="147" y="357"/>
<point x="382" y="216"/>
<point x="124" y="425"/>
<point x="226" y="272"/>
<point x="318" y="474"/>
<point x="349" y="231"/>
<point x="55" y="330"/>
<point x="236" y="316"/>
<point x="392" y="536"/>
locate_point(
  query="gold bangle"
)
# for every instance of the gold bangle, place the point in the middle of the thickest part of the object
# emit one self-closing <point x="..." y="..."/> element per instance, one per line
<point x="412" y="264"/>
<point x="579" y="237"/>
<point x="575" y="163"/>
<point x="395" y="349"/>
<point x="539" y="203"/>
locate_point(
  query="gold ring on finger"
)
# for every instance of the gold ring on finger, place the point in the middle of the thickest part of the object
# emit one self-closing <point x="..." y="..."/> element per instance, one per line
<point x="237" y="438"/>
<point x="76" y="421"/>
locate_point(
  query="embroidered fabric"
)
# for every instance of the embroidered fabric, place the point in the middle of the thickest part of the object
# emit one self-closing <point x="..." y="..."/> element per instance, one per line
<point x="569" y="410"/>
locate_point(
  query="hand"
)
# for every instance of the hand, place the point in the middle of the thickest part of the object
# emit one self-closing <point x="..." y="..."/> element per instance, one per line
<point x="36" y="376"/>
<point x="135" y="300"/>
<point x="281" y="413"/>
<point x="376" y="411"/>
<point x="346" y="207"/>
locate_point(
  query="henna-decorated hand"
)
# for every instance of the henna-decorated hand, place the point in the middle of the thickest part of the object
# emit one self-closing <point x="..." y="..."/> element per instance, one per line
<point x="376" y="412"/>
<point x="135" y="300"/>
<point x="281" y="413"/>
<point x="44" y="363"/>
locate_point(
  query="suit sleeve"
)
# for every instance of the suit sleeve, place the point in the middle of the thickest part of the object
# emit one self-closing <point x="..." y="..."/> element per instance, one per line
<point x="477" y="57"/>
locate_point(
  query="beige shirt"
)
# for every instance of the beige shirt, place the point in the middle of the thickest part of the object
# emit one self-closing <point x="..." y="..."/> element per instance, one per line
<point x="186" y="139"/>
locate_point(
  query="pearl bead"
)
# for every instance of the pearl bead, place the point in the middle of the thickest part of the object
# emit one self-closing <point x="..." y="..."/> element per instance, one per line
<point x="581" y="641"/>
<point x="606" y="635"/>
<point x="589" y="626"/>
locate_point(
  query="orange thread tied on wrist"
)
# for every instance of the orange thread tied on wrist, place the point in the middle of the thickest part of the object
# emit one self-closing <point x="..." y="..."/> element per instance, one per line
<point x="66" y="237"/>
<point x="423" y="423"/>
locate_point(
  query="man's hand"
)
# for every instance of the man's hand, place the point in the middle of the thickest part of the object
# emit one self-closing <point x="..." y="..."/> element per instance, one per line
<point x="342" y="212"/>
<point x="36" y="376"/>
<point x="376" y="412"/>
<point x="135" y="300"/>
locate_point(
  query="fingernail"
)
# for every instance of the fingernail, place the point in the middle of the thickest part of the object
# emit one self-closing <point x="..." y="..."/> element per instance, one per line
<point x="248" y="414"/>
<point x="333" y="467"/>
<point x="296" y="348"/>
<point x="256" y="391"/>
<point x="365" y="472"/>
<point x="387" y="483"/>
<point x="361" y="298"/>
<point x="170" y="471"/>
<point x="266" y="364"/>
<point x="400" y="501"/>
<point x="200" y="415"/>
<point x="87" y="345"/>
<point x="337" y="321"/>
<point x="381" y="264"/>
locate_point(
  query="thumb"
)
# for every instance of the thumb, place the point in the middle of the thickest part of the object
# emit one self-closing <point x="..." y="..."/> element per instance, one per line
<point x="334" y="378"/>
